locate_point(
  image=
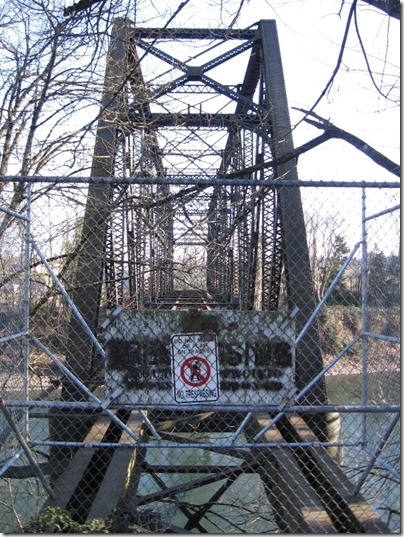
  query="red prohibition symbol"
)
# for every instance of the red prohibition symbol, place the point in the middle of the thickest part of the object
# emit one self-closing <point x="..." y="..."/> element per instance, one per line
<point x="195" y="371"/>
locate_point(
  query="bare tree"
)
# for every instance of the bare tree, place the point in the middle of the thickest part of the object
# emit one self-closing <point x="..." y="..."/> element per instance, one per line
<point x="52" y="65"/>
<point x="49" y="83"/>
<point x="328" y="250"/>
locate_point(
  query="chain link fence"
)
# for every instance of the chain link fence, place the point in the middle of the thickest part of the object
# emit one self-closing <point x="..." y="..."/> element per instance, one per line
<point x="158" y="375"/>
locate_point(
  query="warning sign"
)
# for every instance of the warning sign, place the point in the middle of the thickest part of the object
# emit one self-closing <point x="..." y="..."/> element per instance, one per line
<point x="195" y="368"/>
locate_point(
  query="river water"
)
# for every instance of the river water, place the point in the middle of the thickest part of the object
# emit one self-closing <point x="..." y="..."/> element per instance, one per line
<point x="243" y="507"/>
<point x="381" y="489"/>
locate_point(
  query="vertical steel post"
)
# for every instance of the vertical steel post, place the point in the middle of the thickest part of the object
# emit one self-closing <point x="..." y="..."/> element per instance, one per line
<point x="87" y="282"/>
<point x="26" y="297"/>
<point x="88" y="276"/>
<point x="364" y="316"/>
<point x="297" y="262"/>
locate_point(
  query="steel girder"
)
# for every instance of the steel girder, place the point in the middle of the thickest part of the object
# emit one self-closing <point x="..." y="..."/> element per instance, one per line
<point x="300" y="292"/>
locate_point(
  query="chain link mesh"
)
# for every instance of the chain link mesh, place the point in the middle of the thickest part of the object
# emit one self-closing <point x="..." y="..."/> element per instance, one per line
<point x="185" y="412"/>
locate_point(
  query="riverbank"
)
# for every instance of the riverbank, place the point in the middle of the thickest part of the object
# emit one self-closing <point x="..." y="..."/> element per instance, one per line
<point x="383" y="358"/>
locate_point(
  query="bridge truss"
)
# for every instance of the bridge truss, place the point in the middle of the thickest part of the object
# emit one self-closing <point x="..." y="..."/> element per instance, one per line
<point x="199" y="119"/>
<point x="196" y="123"/>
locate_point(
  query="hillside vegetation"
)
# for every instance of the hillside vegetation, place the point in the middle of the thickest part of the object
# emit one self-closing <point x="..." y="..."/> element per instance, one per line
<point x="339" y="325"/>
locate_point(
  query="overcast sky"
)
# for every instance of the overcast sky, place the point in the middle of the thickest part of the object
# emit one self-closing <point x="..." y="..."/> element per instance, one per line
<point x="310" y="34"/>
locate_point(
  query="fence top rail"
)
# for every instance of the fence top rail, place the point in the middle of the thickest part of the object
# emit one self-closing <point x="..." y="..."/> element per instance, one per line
<point x="197" y="180"/>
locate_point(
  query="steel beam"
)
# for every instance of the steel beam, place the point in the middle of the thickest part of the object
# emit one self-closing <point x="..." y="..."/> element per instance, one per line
<point x="298" y="273"/>
<point x="88" y="277"/>
<point x="195" y="33"/>
<point x="186" y="120"/>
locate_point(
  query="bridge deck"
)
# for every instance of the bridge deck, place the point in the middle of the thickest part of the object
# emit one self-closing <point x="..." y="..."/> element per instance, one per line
<point x="306" y="489"/>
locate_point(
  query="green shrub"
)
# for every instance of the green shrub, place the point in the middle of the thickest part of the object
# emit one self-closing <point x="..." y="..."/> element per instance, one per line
<point x="58" y="520"/>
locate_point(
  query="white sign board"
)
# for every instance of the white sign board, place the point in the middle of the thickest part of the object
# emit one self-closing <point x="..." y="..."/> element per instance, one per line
<point x="166" y="357"/>
<point x="195" y="368"/>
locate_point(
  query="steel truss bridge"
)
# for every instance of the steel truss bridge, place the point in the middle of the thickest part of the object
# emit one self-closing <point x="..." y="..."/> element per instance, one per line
<point x="195" y="140"/>
<point x="201" y="135"/>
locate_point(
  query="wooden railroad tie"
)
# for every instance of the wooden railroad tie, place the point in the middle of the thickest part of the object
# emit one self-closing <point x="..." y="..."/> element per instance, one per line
<point x="307" y="490"/>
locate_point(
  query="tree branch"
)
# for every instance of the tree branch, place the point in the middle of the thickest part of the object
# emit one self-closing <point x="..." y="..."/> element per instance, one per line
<point x="286" y="157"/>
<point x="359" y="144"/>
<point x="365" y="56"/>
<point x="339" y="60"/>
<point x="330" y="131"/>
<point x="79" y="6"/>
